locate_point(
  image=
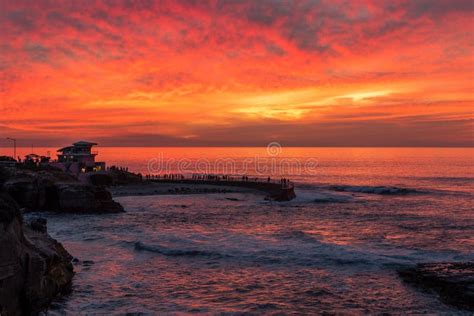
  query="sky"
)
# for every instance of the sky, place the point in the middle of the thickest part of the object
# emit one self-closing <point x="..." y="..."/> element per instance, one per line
<point x="237" y="72"/>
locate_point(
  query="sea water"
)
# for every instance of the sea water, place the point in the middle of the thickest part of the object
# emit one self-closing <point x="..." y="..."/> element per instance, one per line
<point x="360" y="215"/>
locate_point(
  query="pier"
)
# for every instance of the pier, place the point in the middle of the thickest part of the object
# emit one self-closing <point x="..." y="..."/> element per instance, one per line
<point x="281" y="190"/>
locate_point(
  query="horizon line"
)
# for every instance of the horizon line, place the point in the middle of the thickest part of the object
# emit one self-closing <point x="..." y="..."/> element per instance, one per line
<point x="249" y="146"/>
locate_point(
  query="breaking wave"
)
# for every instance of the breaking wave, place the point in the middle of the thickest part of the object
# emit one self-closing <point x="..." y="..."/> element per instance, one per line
<point x="332" y="199"/>
<point x="177" y="252"/>
<point x="296" y="234"/>
<point x="305" y="196"/>
<point x="384" y="190"/>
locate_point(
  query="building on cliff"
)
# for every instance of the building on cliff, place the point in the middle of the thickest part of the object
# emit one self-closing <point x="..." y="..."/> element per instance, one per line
<point x="78" y="158"/>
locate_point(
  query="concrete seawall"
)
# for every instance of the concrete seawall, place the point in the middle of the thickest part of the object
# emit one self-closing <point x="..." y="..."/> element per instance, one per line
<point x="276" y="191"/>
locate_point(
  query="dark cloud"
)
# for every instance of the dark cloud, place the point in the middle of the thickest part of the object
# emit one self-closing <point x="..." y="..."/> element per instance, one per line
<point x="300" y="22"/>
<point x="146" y="140"/>
<point x="388" y="27"/>
<point x="67" y="52"/>
<point x="305" y="35"/>
<point x="135" y="5"/>
<point x="275" y="49"/>
<point x="267" y="12"/>
<point x="114" y="20"/>
<point x="37" y="52"/>
<point x="60" y="20"/>
<point x="306" y="23"/>
<point x="22" y="20"/>
<point x="439" y="8"/>
<point x="365" y="133"/>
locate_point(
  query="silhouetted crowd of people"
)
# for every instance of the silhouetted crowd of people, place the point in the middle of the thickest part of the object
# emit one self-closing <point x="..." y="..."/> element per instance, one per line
<point x="172" y="176"/>
<point x="209" y="177"/>
<point x="285" y="183"/>
<point x="118" y="168"/>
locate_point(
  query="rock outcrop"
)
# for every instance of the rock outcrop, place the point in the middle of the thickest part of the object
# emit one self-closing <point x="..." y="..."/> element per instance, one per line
<point x="58" y="191"/>
<point x="34" y="268"/>
<point x="115" y="176"/>
<point x="453" y="281"/>
<point x="85" y="199"/>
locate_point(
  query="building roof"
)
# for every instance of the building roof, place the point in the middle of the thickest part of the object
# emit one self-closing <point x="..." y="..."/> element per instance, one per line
<point x="80" y="143"/>
<point x="84" y="143"/>
<point x="64" y="148"/>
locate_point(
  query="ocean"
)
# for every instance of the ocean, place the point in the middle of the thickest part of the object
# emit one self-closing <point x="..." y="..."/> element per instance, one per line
<point x="359" y="216"/>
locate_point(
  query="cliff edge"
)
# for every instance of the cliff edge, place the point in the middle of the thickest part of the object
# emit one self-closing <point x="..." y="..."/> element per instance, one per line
<point x="57" y="191"/>
<point x="34" y="268"/>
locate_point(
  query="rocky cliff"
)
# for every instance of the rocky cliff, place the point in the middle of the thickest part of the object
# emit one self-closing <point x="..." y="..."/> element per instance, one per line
<point x="52" y="190"/>
<point x="34" y="268"/>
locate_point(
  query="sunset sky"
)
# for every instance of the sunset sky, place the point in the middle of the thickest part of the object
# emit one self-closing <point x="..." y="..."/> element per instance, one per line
<point x="237" y="73"/>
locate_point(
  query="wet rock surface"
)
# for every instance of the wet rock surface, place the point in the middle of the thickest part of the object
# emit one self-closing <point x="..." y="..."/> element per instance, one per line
<point x="34" y="268"/>
<point x="452" y="281"/>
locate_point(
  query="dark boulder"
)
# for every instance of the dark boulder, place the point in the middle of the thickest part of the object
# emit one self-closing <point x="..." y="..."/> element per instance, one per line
<point x="453" y="281"/>
<point x="124" y="177"/>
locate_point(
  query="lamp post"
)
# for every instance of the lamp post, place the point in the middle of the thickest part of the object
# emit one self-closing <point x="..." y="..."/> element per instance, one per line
<point x="14" y="146"/>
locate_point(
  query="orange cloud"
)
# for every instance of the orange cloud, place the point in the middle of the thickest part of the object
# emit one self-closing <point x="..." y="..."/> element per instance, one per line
<point x="185" y="72"/>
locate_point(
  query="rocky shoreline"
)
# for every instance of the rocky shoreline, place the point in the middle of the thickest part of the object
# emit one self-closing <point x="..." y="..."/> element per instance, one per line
<point x="452" y="281"/>
<point x="34" y="268"/>
<point x="56" y="191"/>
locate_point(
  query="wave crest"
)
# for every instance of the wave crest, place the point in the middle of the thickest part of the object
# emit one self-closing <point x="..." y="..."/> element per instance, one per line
<point x="177" y="252"/>
<point x="384" y="190"/>
<point x="296" y="234"/>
